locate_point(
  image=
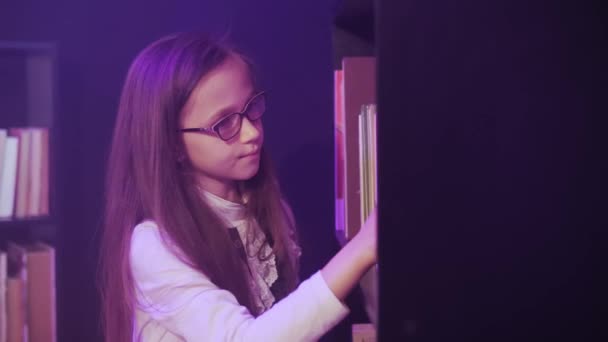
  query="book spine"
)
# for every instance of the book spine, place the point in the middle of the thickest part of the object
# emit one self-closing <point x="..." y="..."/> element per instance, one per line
<point x="3" y="135"/>
<point x="22" y="193"/>
<point x="339" y="176"/>
<point x="359" y="89"/>
<point x="34" y="173"/>
<point x="9" y="177"/>
<point x="45" y="173"/>
<point x="41" y="292"/>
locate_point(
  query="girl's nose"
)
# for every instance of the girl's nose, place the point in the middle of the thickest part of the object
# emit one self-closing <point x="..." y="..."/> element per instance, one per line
<point x="251" y="130"/>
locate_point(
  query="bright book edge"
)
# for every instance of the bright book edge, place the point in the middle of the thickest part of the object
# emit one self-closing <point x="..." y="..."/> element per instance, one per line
<point x="9" y="177"/>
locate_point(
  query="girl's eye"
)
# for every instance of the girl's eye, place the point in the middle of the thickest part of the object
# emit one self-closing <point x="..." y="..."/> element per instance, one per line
<point x="228" y="126"/>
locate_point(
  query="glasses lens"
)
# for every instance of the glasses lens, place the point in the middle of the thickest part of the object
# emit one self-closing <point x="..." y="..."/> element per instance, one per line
<point x="229" y="127"/>
<point x="256" y="108"/>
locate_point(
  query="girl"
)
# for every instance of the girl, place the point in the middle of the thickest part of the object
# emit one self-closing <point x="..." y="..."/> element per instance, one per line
<point x="199" y="244"/>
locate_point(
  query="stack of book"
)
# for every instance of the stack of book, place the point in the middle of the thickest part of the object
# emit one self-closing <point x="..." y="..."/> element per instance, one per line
<point x="27" y="293"/>
<point x="355" y="144"/>
<point x="367" y="160"/>
<point x="355" y="159"/>
<point x="24" y="172"/>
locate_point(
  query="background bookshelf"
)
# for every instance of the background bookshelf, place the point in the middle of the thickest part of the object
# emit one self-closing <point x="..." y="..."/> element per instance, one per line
<point x="28" y="232"/>
<point x="27" y="99"/>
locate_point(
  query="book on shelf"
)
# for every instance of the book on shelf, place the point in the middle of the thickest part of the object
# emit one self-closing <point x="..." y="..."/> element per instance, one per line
<point x="367" y="160"/>
<point x="30" y="313"/>
<point x="339" y="177"/>
<point x="23" y="166"/>
<point x="17" y="327"/>
<point x="3" y="134"/>
<point x="354" y="87"/>
<point x="9" y="147"/>
<point x="41" y="292"/>
<point x="355" y="158"/>
<point x="24" y="172"/>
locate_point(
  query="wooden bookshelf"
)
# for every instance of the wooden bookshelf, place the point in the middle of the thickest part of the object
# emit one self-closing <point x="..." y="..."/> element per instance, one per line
<point x="354" y="88"/>
<point x="19" y="222"/>
<point x="27" y="100"/>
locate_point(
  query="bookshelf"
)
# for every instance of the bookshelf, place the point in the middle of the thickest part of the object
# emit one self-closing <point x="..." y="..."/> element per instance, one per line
<point x="28" y="224"/>
<point x="354" y="66"/>
<point x="27" y="100"/>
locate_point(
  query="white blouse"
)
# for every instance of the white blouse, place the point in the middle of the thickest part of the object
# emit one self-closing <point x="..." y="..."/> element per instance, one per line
<point x="263" y="272"/>
<point x="178" y="303"/>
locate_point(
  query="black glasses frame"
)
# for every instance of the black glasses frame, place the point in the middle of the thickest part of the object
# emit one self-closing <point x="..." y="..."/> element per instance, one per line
<point x="214" y="130"/>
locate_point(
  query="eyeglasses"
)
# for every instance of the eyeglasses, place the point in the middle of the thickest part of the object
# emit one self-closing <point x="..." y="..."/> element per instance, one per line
<point x="229" y="126"/>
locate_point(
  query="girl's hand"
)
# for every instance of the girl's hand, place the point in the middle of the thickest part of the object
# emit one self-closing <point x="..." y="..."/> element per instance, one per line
<point x="368" y="236"/>
<point x="347" y="267"/>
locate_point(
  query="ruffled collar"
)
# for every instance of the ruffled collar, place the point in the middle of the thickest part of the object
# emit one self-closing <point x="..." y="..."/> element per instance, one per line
<point x="228" y="210"/>
<point x="263" y="273"/>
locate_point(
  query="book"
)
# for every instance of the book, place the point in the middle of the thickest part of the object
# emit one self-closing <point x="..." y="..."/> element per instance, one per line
<point x="369" y="198"/>
<point x="339" y="167"/>
<point x="38" y="173"/>
<point x="31" y="295"/>
<point x="363" y="170"/>
<point x="22" y="194"/>
<point x="3" y="134"/>
<point x="15" y="323"/>
<point x="41" y="313"/>
<point x="358" y="88"/>
<point x="17" y="326"/>
<point x="30" y="173"/>
<point x="45" y="173"/>
<point x="8" y="177"/>
<point x="367" y="159"/>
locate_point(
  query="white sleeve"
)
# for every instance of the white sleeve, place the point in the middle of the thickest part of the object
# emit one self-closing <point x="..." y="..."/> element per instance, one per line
<point x="188" y="304"/>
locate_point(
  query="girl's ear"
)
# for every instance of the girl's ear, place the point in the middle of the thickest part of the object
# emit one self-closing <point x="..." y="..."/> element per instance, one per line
<point x="180" y="153"/>
<point x="182" y="161"/>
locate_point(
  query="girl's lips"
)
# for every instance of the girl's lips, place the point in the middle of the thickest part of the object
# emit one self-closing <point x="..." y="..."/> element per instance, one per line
<point x="254" y="153"/>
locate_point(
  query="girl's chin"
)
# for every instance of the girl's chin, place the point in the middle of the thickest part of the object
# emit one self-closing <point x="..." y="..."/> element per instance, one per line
<point x="248" y="173"/>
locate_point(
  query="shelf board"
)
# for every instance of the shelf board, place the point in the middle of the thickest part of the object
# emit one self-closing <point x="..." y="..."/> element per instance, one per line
<point x="26" y="221"/>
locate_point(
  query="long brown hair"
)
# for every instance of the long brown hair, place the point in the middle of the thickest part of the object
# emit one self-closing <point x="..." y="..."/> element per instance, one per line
<point x="145" y="181"/>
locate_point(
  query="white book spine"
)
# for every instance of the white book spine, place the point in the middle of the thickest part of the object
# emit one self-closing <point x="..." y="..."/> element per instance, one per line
<point x="362" y="167"/>
<point x="3" y="134"/>
<point x="9" y="177"/>
<point x="22" y="194"/>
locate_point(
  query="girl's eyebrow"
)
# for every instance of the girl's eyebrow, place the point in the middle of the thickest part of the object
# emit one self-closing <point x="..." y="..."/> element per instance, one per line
<point x="231" y="109"/>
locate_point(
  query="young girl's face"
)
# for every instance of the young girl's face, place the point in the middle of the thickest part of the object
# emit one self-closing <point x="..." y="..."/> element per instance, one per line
<point x="217" y="162"/>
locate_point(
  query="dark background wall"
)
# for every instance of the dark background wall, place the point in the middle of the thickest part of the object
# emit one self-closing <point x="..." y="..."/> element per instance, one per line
<point x="291" y="43"/>
<point x="493" y="138"/>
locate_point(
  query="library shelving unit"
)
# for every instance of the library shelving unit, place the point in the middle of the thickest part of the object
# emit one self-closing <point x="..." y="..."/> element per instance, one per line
<point x="354" y="65"/>
<point x="28" y="100"/>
